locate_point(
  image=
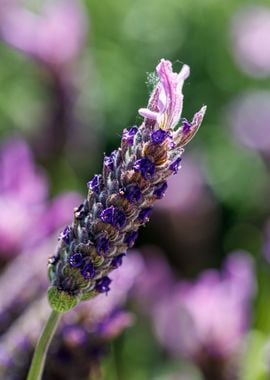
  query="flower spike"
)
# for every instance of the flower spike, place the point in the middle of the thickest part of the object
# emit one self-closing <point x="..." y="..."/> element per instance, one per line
<point x="120" y="200"/>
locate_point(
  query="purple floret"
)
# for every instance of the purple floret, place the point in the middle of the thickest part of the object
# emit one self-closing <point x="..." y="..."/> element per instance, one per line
<point x="103" y="285"/>
<point x="88" y="272"/>
<point x="76" y="260"/>
<point x="159" y="136"/>
<point x="102" y="245"/>
<point x="145" y="167"/>
<point x="128" y="136"/>
<point x="133" y="193"/>
<point x="160" y="190"/>
<point x="175" y="166"/>
<point x="113" y="216"/>
<point x="95" y="184"/>
<point x="145" y="214"/>
<point x="131" y="238"/>
<point x="117" y="261"/>
<point x="66" y="235"/>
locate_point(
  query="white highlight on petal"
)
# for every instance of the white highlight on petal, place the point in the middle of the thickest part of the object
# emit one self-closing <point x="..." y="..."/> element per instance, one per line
<point x="145" y="112"/>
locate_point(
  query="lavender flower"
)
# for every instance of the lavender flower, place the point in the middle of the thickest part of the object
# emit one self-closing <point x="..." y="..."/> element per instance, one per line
<point x="53" y="37"/>
<point x="206" y="321"/>
<point x="24" y="201"/>
<point x="121" y="200"/>
<point x="250" y="39"/>
<point x="83" y="334"/>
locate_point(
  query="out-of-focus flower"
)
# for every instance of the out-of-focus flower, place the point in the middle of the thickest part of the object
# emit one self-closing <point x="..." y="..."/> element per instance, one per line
<point x="26" y="214"/>
<point x="251" y="41"/>
<point x="54" y="37"/>
<point x="155" y="281"/>
<point x="206" y="321"/>
<point x="82" y="336"/>
<point x="120" y="200"/>
<point x="249" y="117"/>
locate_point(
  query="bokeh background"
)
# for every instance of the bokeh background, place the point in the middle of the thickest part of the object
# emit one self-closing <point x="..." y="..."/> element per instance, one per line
<point x="72" y="77"/>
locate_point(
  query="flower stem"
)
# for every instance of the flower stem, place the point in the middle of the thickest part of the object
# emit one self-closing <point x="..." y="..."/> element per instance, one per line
<point x="38" y="361"/>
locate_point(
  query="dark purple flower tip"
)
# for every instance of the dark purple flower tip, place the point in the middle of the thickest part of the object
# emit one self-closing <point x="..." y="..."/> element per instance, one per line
<point x="107" y="215"/>
<point x="159" y="136"/>
<point x="119" y="218"/>
<point x="95" y="184"/>
<point x="117" y="261"/>
<point x="186" y="126"/>
<point x="160" y="190"/>
<point x="145" y="214"/>
<point x="103" y="285"/>
<point x="76" y="260"/>
<point x="110" y="160"/>
<point x="133" y="193"/>
<point x="66" y="235"/>
<point x="129" y="135"/>
<point x="130" y="238"/>
<point x="88" y="272"/>
<point x="175" y="166"/>
<point x="114" y="217"/>
<point x="102" y="245"/>
<point x="145" y="167"/>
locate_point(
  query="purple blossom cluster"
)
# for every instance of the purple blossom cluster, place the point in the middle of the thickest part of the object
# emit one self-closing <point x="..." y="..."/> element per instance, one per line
<point x="54" y="37"/>
<point x="120" y="200"/>
<point x="27" y="215"/>
<point x="205" y="321"/>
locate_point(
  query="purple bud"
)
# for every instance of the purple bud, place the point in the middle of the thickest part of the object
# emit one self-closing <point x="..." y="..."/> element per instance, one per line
<point x="130" y="238"/>
<point x="113" y="216"/>
<point x="88" y="271"/>
<point x="95" y="183"/>
<point x="160" y="190"/>
<point x="110" y="160"/>
<point x="66" y="235"/>
<point x="186" y="126"/>
<point x="145" y="214"/>
<point x="128" y="136"/>
<point x="133" y="193"/>
<point x="76" y="260"/>
<point x="145" y="167"/>
<point x="175" y="166"/>
<point x="102" y="246"/>
<point x="103" y="285"/>
<point x="159" y="136"/>
<point x="107" y="215"/>
<point x="117" y="261"/>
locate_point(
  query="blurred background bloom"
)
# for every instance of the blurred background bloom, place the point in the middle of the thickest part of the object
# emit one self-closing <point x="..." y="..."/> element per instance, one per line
<point x="250" y="40"/>
<point x="27" y="214"/>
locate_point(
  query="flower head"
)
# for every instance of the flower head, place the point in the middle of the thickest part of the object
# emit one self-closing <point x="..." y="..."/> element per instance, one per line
<point x="121" y="199"/>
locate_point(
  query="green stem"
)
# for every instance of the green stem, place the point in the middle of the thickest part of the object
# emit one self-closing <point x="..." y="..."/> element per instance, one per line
<point x="38" y="361"/>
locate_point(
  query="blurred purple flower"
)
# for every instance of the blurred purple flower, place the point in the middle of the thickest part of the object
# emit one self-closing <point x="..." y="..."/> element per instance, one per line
<point x="208" y="319"/>
<point x="249" y="117"/>
<point x="251" y="40"/>
<point x="54" y="37"/>
<point x="156" y="279"/>
<point x="26" y="214"/>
